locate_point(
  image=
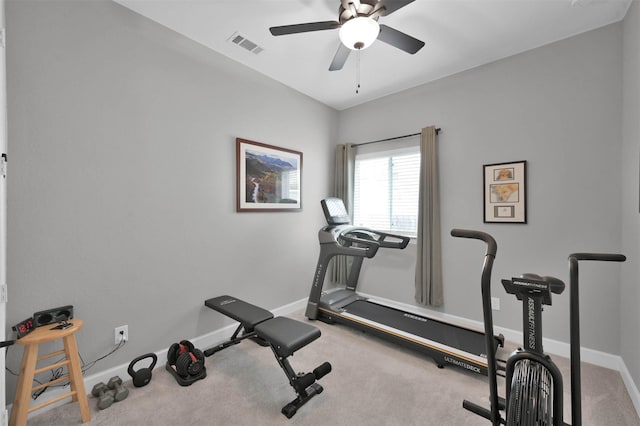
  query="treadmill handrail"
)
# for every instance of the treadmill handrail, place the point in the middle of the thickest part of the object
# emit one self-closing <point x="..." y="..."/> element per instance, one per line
<point x="370" y="249"/>
<point x="381" y="237"/>
<point x="404" y="241"/>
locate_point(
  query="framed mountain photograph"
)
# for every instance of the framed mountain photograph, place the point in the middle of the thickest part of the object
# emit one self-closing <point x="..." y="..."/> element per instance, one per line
<point x="269" y="178"/>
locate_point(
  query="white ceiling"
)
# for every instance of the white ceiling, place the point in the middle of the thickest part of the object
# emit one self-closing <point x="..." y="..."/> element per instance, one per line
<point x="459" y="35"/>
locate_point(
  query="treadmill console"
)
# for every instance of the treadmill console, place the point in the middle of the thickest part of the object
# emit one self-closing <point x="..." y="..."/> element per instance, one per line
<point x="335" y="212"/>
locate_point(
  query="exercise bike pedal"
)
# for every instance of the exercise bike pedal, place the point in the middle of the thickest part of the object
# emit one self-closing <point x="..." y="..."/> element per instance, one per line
<point x="476" y="409"/>
<point x="502" y="403"/>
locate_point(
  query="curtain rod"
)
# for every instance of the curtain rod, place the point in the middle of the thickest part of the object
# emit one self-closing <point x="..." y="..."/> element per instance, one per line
<point x="392" y="139"/>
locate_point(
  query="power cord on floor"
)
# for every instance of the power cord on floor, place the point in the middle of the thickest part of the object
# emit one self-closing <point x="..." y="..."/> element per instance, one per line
<point x="58" y="372"/>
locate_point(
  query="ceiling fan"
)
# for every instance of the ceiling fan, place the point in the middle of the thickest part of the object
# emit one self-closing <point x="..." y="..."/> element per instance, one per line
<point x="358" y="24"/>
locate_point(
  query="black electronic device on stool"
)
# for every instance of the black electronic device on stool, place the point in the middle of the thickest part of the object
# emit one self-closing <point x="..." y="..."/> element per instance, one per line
<point x="48" y="316"/>
<point x="24" y="327"/>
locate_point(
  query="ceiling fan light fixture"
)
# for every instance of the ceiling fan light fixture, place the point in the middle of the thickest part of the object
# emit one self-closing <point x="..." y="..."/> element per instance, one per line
<point x="358" y="33"/>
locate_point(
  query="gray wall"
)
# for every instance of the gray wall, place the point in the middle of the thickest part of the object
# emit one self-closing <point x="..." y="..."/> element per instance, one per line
<point x="629" y="291"/>
<point x="559" y="107"/>
<point x="122" y="183"/>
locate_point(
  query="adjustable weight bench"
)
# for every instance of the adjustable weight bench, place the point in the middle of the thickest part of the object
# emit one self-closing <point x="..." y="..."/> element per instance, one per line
<point x="283" y="335"/>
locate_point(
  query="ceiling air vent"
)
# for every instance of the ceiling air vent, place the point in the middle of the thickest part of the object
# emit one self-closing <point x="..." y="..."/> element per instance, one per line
<point x="245" y="43"/>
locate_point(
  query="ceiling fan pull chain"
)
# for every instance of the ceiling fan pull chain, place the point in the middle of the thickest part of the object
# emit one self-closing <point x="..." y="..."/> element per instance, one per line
<point x="357" y="71"/>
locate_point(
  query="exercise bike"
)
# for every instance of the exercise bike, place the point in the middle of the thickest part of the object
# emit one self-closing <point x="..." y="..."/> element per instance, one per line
<point x="533" y="382"/>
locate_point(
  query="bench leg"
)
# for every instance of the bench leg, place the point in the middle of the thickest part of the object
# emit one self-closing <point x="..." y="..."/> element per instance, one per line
<point x="304" y="384"/>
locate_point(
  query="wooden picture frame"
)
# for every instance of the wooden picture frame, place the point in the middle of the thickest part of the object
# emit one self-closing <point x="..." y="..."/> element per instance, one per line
<point x="269" y="178"/>
<point x="505" y="192"/>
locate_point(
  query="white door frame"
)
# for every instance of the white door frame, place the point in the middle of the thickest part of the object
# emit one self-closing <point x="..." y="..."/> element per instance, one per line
<point x="3" y="211"/>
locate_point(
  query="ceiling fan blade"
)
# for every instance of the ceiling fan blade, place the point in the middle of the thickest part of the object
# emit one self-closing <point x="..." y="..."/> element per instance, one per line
<point x="399" y="39"/>
<point x="391" y="6"/>
<point x="340" y="58"/>
<point x="304" y="28"/>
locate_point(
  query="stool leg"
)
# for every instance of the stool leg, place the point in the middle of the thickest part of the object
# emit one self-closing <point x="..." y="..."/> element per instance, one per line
<point x="22" y="399"/>
<point x="75" y="377"/>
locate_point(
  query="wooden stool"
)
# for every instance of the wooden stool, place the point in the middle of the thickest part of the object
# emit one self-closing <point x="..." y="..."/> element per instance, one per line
<point x="28" y="371"/>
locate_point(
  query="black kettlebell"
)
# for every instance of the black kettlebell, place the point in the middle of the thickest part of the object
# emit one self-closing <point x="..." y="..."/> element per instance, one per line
<point x="142" y="376"/>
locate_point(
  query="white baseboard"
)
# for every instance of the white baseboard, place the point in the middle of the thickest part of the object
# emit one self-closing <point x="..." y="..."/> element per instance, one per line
<point x="553" y="347"/>
<point x="634" y="393"/>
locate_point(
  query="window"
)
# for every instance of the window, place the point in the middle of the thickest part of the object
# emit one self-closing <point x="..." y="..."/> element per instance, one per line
<point x="386" y="184"/>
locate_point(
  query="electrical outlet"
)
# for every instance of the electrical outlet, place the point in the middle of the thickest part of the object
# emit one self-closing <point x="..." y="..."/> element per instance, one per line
<point x="121" y="333"/>
<point x="495" y="303"/>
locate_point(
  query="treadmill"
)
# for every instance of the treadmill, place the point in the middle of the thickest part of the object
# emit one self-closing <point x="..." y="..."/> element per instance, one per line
<point x="445" y="343"/>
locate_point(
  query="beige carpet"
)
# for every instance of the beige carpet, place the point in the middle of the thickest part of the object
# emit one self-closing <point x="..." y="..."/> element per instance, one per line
<point x="372" y="383"/>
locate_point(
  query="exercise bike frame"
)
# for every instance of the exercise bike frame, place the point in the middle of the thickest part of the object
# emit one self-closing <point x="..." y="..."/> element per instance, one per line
<point x="534" y="291"/>
<point x="493" y="413"/>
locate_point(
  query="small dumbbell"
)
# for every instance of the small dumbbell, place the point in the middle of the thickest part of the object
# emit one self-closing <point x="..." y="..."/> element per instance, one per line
<point x="115" y="384"/>
<point x="104" y="395"/>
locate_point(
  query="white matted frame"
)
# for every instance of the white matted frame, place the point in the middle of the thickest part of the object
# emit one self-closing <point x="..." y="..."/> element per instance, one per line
<point x="505" y="192"/>
<point x="269" y="178"/>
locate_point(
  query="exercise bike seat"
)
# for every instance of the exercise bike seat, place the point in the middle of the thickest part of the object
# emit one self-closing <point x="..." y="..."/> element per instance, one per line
<point x="556" y="285"/>
<point x="245" y="313"/>
<point x="287" y="335"/>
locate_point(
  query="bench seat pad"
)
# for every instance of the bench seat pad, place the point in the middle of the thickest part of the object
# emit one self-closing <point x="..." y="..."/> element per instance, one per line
<point x="246" y="313"/>
<point x="287" y="335"/>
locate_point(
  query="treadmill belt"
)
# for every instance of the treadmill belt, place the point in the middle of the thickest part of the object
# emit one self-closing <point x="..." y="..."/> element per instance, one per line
<point x="456" y="337"/>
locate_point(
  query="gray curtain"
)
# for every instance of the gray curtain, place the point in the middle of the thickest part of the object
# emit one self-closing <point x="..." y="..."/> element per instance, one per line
<point x="429" y="257"/>
<point x="343" y="188"/>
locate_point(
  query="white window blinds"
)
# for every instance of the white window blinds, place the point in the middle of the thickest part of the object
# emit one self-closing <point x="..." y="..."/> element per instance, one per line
<point x="386" y="185"/>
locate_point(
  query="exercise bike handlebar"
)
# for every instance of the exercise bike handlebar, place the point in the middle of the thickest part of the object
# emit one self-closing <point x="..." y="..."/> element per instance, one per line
<point x="492" y="247"/>
<point x="493" y="413"/>
<point x="603" y="257"/>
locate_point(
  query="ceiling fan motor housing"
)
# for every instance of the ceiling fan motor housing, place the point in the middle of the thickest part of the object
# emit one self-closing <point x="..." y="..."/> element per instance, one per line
<point x="350" y="9"/>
